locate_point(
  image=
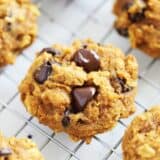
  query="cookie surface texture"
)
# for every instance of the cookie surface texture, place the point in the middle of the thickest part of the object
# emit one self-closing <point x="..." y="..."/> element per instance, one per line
<point x="82" y="89"/>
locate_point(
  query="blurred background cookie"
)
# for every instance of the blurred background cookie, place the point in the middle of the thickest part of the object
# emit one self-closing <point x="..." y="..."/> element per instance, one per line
<point x="140" y="21"/>
<point x="18" y="28"/>
<point x="18" y="149"/>
<point x="142" y="138"/>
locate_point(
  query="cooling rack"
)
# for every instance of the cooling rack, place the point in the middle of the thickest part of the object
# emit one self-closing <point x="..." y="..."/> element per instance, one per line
<point x="62" y="21"/>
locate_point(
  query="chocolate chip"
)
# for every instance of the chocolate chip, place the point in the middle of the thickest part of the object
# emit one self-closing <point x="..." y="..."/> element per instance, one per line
<point x="85" y="46"/>
<point x="138" y="16"/>
<point x="30" y="136"/>
<point x="88" y="59"/>
<point x="127" y="5"/>
<point x="51" y="51"/>
<point x="65" y="121"/>
<point x="122" y="31"/>
<point x="8" y="26"/>
<point x="120" y="86"/>
<point x="5" y="152"/>
<point x="80" y="121"/>
<point x="152" y="22"/>
<point x="81" y="96"/>
<point x="42" y="73"/>
<point x="99" y="44"/>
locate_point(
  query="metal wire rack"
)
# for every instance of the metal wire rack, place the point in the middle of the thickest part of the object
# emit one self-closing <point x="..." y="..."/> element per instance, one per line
<point x="63" y="21"/>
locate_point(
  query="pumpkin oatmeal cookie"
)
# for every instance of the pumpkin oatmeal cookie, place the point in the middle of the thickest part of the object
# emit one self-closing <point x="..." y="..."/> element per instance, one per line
<point x="142" y="138"/>
<point x="18" y="28"/>
<point x="140" y="20"/>
<point x="83" y="89"/>
<point x="18" y="149"/>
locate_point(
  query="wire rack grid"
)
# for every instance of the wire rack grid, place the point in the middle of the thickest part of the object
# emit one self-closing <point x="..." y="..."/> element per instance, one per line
<point x="62" y="21"/>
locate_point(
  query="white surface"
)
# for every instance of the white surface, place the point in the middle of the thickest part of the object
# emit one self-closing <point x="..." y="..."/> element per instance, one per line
<point x="7" y="88"/>
<point x="51" y="152"/>
<point x="65" y="140"/>
<point x="62" y="21"/>
<point x="93" y="151"/>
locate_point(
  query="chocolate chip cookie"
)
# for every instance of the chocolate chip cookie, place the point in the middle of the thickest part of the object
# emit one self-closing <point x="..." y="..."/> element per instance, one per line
<point x="18" y="149"/>
<point x="140" y="21"/>
<point x="83" y="89"/>
<point x="18" y="28"/>
<point x="142" y="139"/>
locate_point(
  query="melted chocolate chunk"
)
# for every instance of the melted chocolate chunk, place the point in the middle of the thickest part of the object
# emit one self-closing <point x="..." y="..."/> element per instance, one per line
<point x="66" y="121"/>
<point x="136" y="17"/>
<point x="81" y="96"/>
<point x="42" y="73"/>
<point x="87" y="59"/>
<point x="5" y="152"/>
<point x="120" y="86"/>
<point x="51" y="51"/>
<point x="122" y="31"/>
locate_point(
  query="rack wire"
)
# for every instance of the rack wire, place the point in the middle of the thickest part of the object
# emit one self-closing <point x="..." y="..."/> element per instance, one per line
<point x="63" y="21"/>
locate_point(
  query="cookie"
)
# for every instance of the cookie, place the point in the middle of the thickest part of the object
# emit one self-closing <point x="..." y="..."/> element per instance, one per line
<point x="140" y="21"/>
<point x="18" y="149"/>
<point x="83" y="89"/>
<point x="142" y="138"/>
<point x="18" y="28"/>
